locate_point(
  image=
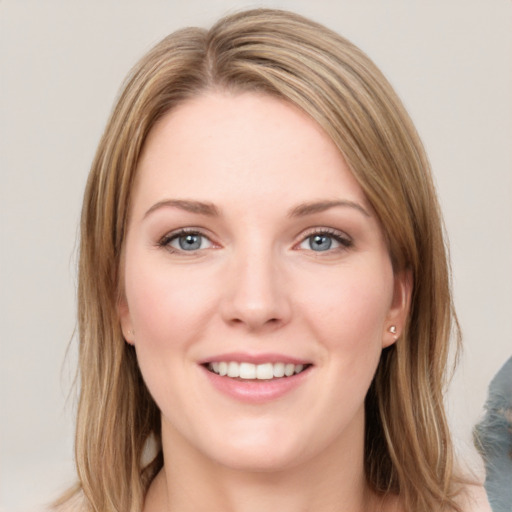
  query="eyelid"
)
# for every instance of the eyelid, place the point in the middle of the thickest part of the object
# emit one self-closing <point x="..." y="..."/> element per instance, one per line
<point x="343" y="238"/>
<point x="165" y="240"/>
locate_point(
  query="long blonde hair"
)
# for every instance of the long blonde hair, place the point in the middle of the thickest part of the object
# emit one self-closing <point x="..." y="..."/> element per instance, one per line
<point x="408" y="450"/>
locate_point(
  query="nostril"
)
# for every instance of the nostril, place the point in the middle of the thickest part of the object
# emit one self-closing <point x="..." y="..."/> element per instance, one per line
<point x="255" y="321"/>
<point x="255" y="307"/>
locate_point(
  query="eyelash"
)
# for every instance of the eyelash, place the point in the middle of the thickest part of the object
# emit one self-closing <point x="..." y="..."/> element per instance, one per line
<point x="166" y="240"/>
<point x="344" y="240"/>
<point x="339" y="236"/>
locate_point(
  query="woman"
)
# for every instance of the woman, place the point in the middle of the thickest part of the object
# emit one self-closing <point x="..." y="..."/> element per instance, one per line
<point x="264" y="301"/>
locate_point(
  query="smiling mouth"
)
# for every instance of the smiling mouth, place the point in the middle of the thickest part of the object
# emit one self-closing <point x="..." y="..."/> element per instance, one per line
<point x="250" y="371"/>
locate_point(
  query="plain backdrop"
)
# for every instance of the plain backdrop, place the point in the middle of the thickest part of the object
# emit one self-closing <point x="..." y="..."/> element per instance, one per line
<point x="61" y="64"/>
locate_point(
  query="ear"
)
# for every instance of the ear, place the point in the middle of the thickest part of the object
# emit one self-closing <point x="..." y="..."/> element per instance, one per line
<point x="125" y="320"/>
<point x="399" y="309"/>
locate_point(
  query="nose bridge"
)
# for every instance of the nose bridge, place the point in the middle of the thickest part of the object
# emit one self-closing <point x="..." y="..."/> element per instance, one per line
<point x="257" y="294"/>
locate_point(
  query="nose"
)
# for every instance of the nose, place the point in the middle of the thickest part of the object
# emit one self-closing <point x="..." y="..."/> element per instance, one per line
<point x="256" y="293"/>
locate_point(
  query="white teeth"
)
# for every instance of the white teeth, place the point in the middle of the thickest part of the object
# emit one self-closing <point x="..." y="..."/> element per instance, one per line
<point x="264" y="371"/>
<point x="223" y="369"/>
<point x="233" y="369"/>
<point x="289" y="369"/>
<point x="249" y="371"/>
<point x="279" y="370"/>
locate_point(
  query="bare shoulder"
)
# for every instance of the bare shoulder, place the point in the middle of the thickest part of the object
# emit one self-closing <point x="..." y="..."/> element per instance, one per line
<point x="473" y="498"/>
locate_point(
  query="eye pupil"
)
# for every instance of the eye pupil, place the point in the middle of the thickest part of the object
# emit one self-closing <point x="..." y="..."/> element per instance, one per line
<point x="190" y="242"/>
<point x="320" y="242"/>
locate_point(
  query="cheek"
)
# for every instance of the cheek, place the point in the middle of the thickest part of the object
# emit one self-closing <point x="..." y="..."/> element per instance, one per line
<point x="167" y="305"/>
<point x="352" y="306"/>
<point x="169" y="311"/>
<point x="348" y="317"/>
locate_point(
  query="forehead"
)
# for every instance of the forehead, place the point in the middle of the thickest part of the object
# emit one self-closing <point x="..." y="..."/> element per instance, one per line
<point x="247" y="146"/>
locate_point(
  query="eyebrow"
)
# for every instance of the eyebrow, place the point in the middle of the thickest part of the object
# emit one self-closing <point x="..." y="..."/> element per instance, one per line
<point x="321" y="206"/>
<point x="211" y="210"/>
<point x="187" y="205"/>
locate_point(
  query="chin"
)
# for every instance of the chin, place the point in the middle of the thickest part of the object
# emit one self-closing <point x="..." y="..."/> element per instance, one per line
<point x="262" y="451"/>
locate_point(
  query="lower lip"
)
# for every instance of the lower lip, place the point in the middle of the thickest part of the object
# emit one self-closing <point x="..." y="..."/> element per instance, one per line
<point x="256" y="391"/>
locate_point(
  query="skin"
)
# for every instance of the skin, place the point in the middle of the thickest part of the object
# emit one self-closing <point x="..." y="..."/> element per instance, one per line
<point x="256" y="285"/>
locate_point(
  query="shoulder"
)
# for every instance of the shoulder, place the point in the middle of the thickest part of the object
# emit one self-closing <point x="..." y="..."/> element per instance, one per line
<point x="473" y="498"/>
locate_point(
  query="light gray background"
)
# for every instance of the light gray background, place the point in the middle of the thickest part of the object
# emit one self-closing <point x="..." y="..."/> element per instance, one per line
<point x="61" y="64"/>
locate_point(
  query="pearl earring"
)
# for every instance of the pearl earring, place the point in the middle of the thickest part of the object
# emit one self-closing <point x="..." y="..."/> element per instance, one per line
<point x="392" y="329"/>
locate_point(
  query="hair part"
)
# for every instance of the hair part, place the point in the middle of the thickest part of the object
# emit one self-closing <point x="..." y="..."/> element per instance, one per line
<point x="408" y="450"/>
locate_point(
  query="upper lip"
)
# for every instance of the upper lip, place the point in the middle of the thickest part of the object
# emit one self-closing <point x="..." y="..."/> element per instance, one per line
<point x="240" y="357"/>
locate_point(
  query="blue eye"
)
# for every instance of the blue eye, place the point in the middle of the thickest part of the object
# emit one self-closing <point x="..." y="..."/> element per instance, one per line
<point x="320" y="242"/>
<point x="325" y="241"/>
<point x="186" y="241"/>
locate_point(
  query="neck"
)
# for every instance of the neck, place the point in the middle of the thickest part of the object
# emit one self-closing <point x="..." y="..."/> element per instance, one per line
<point x="332" y="481"/>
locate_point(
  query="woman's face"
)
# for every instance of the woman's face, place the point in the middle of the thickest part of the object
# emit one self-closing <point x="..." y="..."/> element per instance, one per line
<point x="252" y="250"/>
